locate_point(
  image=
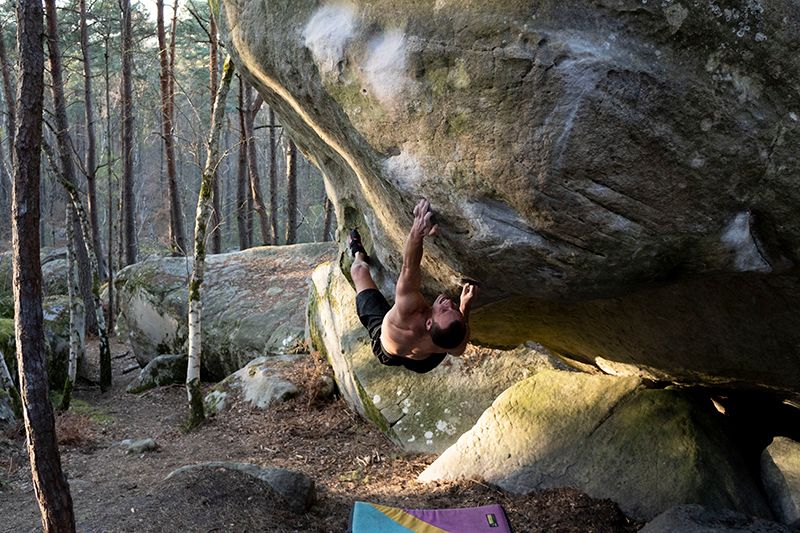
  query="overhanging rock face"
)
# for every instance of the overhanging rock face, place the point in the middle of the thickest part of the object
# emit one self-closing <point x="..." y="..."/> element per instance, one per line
<point x="621" y="177"/>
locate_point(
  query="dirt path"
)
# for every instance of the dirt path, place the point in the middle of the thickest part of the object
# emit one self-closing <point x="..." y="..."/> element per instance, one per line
<point x="348" y="459"/>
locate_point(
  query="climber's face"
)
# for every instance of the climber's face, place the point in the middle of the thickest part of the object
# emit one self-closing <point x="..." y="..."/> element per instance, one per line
<point x="445" y="311"/>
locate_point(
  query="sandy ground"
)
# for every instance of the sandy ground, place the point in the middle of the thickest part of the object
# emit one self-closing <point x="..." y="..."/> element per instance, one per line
<point x="348" y="459"/>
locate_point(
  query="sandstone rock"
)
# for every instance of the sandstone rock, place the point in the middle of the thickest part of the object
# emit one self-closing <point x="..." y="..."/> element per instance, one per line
<point x="160" y="371"/>
<point x="645" y="449"/>
<point x="419" y="412"/>
<point x="602" y="168"/>
<point x="780" y="473"/>
<point x="295" y="488"/>
<point x="54" y="273"/>
<point x="698" y="519"/>
<point x="259" y="383"/>
<point x="7" y="417"/>
<point x="253" y="304"/>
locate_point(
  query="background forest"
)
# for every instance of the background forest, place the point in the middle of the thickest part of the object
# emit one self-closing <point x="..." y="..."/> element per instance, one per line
<point x="294" y="195"/>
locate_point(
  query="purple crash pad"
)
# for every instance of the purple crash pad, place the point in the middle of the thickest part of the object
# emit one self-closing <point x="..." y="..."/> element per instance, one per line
<point x="374" y="518"/>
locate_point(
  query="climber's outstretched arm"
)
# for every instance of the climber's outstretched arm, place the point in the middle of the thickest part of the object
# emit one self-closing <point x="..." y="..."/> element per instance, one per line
<point x="408" y="297"/>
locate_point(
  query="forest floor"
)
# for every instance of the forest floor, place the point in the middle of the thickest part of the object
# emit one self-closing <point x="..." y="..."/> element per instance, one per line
<point x="349" y="460"/>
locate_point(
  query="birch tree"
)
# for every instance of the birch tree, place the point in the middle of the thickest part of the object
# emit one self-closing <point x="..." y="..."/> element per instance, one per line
<point x="49" y="483"/>
<point x="204" y="201"/>
<point x="213" y="74"/>
<point x="7" y="383"/>
<point x="76" y="314"/>
<point x="67" y="178"/>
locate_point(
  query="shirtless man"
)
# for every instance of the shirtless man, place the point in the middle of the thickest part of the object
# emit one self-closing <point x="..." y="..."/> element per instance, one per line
<point x="411" y="333"/>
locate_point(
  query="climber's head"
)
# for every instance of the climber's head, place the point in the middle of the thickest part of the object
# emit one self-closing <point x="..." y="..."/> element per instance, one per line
<point x="446" y="324"/>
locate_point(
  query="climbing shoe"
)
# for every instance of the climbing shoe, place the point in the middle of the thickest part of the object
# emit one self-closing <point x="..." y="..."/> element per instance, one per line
<point x="355" y="244"/>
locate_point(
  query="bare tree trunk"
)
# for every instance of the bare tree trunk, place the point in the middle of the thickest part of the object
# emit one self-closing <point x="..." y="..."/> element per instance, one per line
<point x="67" y="178"/>
<point x="252" y="163"/>
<point x="91" y="159"/>
<point x="291" y="192"/>
<point x="326" y="227"/>
<point x="8" y="97"/>
<point x="176" y="233"/>
<point x="196" y="411"/>
<point x="76" y="314"/>
<point x="213" y="68"/>
<point x="241" y="189"/>
<point x="109" y="137"/>
<point x="128" y="199"/>
<point x="273" y="178"/>
<point x="49" y="483"/>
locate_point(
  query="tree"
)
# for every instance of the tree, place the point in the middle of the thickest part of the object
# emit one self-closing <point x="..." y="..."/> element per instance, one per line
<point x="196" y="411"/>
<point x="91" y="159"/>
<point x="8" y="97"/>
<point x="252" y="162"/>
<point x="326" y="226"/>
<point x="76" y="315"/>
<point x="213" y="72"/>
<point x="273" y="177"/>
<point x="49" y="483"/>
<point x="126" y="97"/>
<point x="177" y="241"/>
<point x="242" y="197"/>
<point x="291" y="193"/>
<point x="67" y="178"/>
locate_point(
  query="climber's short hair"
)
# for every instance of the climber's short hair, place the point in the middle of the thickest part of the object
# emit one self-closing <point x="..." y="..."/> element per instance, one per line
<point x="451" y="336"/>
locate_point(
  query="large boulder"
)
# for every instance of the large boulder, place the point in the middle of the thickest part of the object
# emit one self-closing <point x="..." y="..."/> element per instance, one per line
<point x="647" y="450"/>
<point x="780" y="472"/>
<point x="55" y="311"/>
<point x="418" y="412"/>
<point x="620" y="175"/>
<point x="253" y="304"/>
<point x="695" y="518"/>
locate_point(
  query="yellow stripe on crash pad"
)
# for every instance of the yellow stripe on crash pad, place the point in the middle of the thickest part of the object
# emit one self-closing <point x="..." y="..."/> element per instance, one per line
<point x="406" y="520"/>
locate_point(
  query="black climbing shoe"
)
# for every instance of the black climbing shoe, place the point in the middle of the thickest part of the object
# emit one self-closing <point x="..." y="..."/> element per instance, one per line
<point x="354" y="242"/>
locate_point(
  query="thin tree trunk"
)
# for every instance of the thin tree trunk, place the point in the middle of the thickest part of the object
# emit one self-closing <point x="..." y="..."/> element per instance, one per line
<point x="67" y="178"/>
<point x="252" y="163"/>
<point x="91" y="159"/>
<point x="49" y="483"/>
<point x="109" y="137"/>
<point x="326" y="227"/>
<point x="196" y="411"/>
<point x="213" y="68"/>
<point x="8" y="96"/>
<point x="76" y="314"/>
<point x="128" y="199"/>
<point x="10" y="108"/>
<point x="241" y="189"/>
<point x="176" y="233"/>
<point x="273" y="177"/>
<point x="291" y="193"/>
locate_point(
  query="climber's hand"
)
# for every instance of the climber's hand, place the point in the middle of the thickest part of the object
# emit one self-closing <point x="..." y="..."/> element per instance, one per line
<point x="423" y="226"/>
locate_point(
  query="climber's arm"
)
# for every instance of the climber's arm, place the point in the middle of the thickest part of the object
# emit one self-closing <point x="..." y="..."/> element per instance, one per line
<point x="407" y="296"/>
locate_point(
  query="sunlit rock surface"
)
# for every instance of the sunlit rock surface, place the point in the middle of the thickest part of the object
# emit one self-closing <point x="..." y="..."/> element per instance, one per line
<point x="253" y="305"/>
<point x="647" y="450"/>
<point x="620" y="176"/>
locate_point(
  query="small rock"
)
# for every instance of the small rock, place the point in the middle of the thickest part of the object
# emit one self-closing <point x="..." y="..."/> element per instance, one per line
<point x="140" y="446"/>
<point x="162" y="370"/>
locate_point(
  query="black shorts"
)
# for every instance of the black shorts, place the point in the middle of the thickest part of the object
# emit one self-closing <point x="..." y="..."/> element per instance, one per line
<point x="372" y="307"/>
